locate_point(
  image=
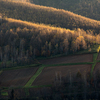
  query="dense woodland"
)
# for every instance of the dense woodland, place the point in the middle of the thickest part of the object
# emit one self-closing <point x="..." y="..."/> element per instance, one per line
<point x="21" y="41"/>
<point x="43" y="32"/>
<point x="47" y="15"/>
<point x="88" y="8"/>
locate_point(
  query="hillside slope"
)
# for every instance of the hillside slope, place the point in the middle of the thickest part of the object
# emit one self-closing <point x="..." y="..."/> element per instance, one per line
<point x="47" y="15"/>
<point x="21" y="41"/>
<point x="88" y="8"/>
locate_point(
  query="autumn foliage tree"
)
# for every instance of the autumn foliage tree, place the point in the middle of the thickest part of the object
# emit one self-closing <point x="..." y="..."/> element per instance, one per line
<point x="21" y="42"/>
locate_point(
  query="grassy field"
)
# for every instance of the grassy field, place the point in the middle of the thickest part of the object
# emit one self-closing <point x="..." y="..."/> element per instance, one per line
<point x="95" y="55"/>
<point x="17" y="77"/>
<point x="4" y="93"/>
<point x="29" y="83"/>
<point x="38" y="79"/>
<point x="92" y="62"/>
<point x="50" y="73"/>
<point x="21" y="67"/>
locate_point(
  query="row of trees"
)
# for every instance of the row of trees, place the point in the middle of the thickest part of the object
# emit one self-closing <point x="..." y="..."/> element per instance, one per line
<point x="47" y="15"/>
<point x="88" y="8"/>
<point x="22" y="45"/>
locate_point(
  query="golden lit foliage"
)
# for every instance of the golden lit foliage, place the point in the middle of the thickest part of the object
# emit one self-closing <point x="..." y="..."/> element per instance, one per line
<point x="33" y="39"/>
<point x="39" y="26"/>
<point x="98" y="49"/>
<point x="47" y="15"/>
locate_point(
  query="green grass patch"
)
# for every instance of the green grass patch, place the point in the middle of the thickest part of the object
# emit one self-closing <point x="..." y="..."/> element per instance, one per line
<point x="53" y="56"/>
<point x="29" y="83"/>
<point x="1" y="71"/>
<point x="95" y="47"/>
<point x="95" y="55"/>
<point x="26" y="88"/>
<point x="26" y="91"/>
<point x="93" y="65"/>
<point x="65" y="64"/>
<point x="21" y="67"/>
<point x="4" y="93"/>
<point x="38" y="86"/>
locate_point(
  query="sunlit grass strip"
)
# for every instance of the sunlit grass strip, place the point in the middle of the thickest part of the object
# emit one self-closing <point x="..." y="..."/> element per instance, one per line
<point x="93" y="65"/>
<point x="29" y="83"/>
<point x="37" y="25"/>
<point x="20" y="67"/>
<point x="4" y="93"/>
<point x="95" y="55"/>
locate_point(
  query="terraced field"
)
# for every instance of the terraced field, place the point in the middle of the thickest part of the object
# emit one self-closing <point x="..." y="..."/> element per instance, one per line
<point x="69" y="59"/>
<point x="48" y="74"/>
<point x="49" y="71"/>
<point x="18" y="77"/>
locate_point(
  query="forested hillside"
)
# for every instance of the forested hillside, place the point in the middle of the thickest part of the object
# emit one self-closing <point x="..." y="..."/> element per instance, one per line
<point x="47" y="15"/>
<point x="88" y="8"/>
<point x="21" y="41"/>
